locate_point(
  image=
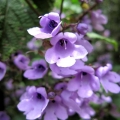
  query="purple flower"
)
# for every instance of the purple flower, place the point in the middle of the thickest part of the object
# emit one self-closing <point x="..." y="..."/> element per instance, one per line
<point x="2" y="70"/>
<point x="33" y="102"/>
<point x="84" y="83"/>
<point x="82" y="41"/>
<point x="73" y="102"/>
<point x="50" y="24"/>
<point x="67" y="71"/>
<point x="56" y="109"/>
<point x="82" y="28"/>
<point x="64" y="52"/>
<point x="37" y="70"/>
<point x="108" y="78"/>
<point x="34" y="44"/>
<point x="21" y="61"/>
<point x="98" y="19"/>
<point x="4" y="116"/>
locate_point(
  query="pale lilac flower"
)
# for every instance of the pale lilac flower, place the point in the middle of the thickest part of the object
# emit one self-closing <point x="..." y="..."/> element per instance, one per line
<point x="100" y="99"/>
<point x="3" y="69"/>
<point x="82" y="28"/>
<point x="108" y="78"/>
<point x="50" y="24"/>
<point x="82" y="41"/>
<point x="34" y="44"/>
<point x="56" y="110"/>
<point x="9" y="84"/>
<point x="67" y="71"/>
<point x="98" y="19"/>
<point x="64" y="52"/>
<point x="37" y="70"/>
<point x="4" y="116"/>
<point x="33" y="102"/>
<point x="72" y="101"/>
<point x="85" y="82"/>
<point x="21" y="61"/>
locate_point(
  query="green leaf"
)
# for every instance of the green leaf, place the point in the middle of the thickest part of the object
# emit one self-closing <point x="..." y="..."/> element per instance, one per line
<point x="15" y="18"/>
<point x="44" y="5"/>
<point x="100" y="37"/>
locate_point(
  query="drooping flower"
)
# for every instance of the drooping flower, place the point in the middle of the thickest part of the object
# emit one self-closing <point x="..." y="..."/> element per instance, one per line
<point x="82" y="28"/>
<point x="56" y="110"/>
<point x="2" y="70"/>
<point x="33" y="102"/>
<point x="82" y="41"/>
<point x="108" y="78"/>
<point x="67" y="71"/>
<point x="21" y="61"/>
<point x="34" y="44"/>
<point x="74" y="103"/>
<point x="37" y="70"/>
<point x="85" y="82"/>
<point x="64" y="52"/>
<point x="50" y="24"/>
<point x="98" y="19"/>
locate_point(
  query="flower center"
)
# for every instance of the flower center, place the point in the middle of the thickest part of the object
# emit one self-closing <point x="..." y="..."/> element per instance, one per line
<point x="84" y="73"/>
<point x="39" y="96"/>
<point x="63" y="43"/>
<point x="41" y="67"/>
<point x="53" y="101"/>
<point x="1" y="70"/>
<point x="52" y="24"/>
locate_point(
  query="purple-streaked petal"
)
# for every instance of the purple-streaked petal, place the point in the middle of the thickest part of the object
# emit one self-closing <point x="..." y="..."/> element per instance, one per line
<point x="85" y="89"/>
<point x="56" y="38"/>
<point x="70" y="36"/>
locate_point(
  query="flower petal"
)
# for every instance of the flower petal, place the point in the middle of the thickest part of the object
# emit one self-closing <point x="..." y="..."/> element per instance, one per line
<point x="61" y="112"/>
<point x="50" y="56"/>
<point x="66" y="62"/>
<point x="85" y="89"/>
<point x="80" y="52"/>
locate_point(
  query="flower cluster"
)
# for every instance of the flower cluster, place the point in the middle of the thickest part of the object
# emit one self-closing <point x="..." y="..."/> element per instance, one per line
<point x="67" y="56"/>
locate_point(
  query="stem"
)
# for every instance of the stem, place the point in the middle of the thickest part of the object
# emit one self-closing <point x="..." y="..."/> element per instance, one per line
<point x="87" y="11"/>
<point x="31" y="6"/>
<point x="61" y="8"/>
